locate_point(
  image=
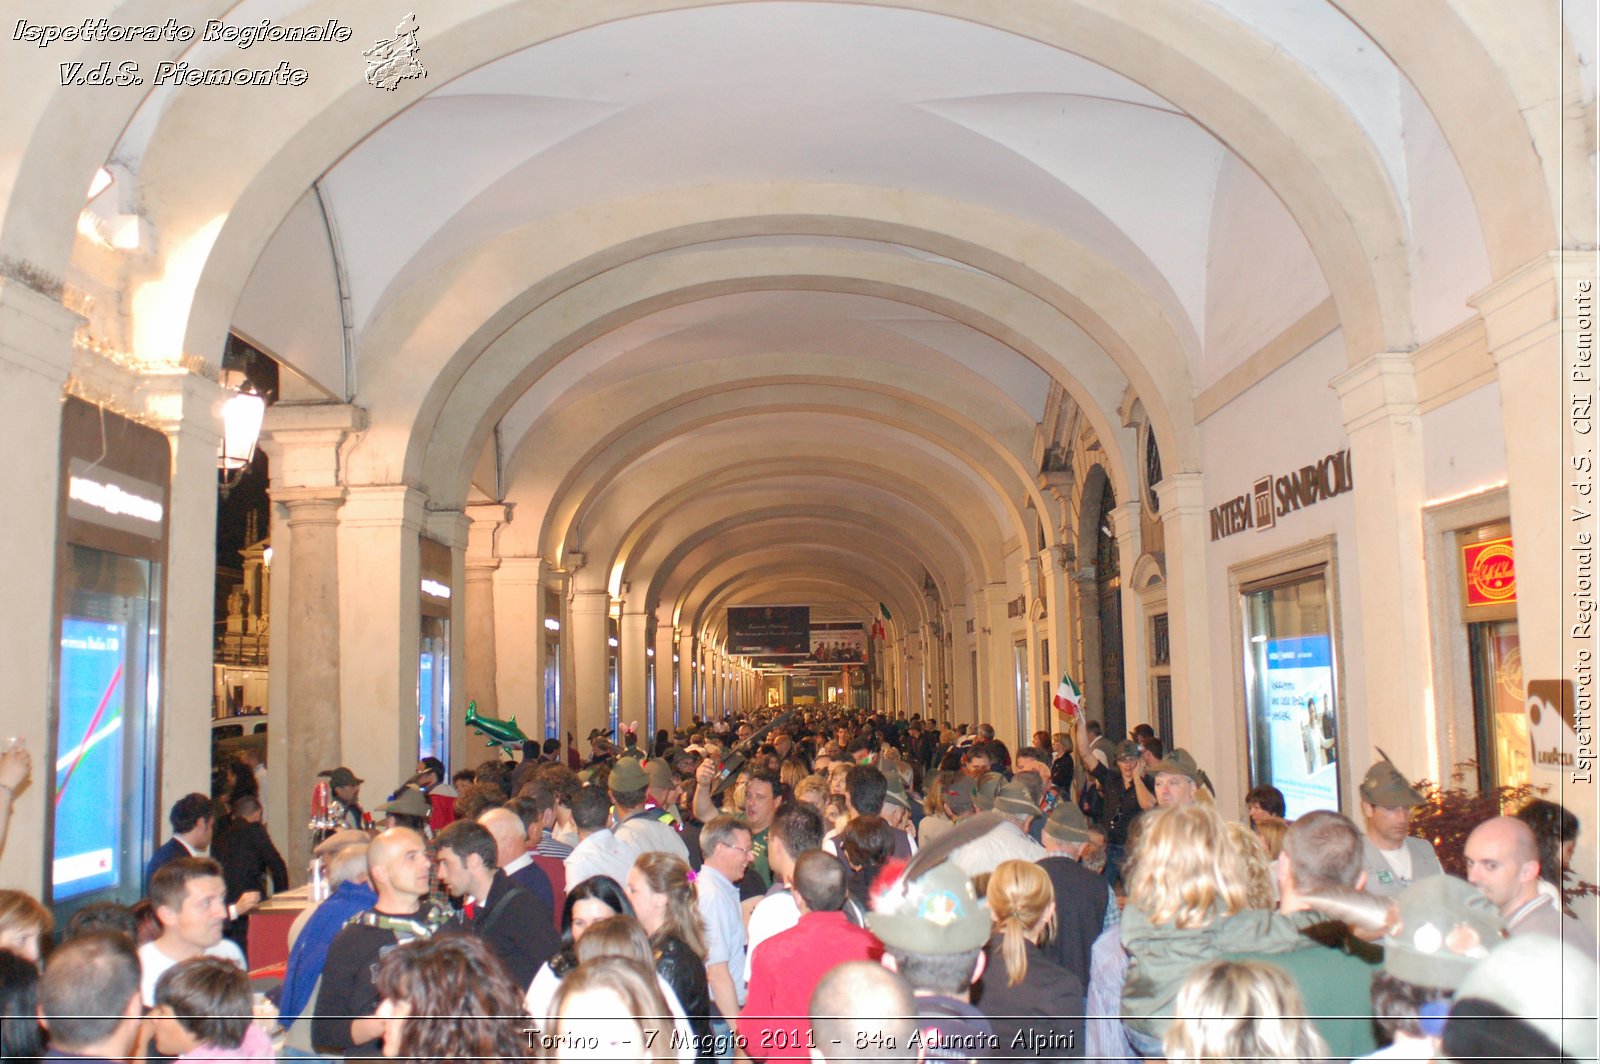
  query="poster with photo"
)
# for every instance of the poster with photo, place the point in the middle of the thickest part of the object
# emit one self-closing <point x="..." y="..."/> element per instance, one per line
<point x="88" y="756"/>
<point x="1303" y="723"/>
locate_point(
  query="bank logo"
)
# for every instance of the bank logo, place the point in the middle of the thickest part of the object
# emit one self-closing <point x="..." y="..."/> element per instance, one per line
<point x="395" y="60"/>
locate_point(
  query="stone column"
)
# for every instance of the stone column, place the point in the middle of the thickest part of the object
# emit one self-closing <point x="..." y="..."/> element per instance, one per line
<point x="1002" y="691"/>
<point x="962" y="681"/>
<point x="452" y="528"/>
<point x="519" y="640"/>
<point x="666" y="671"/>
<point x="1135" y="655"/>
<point x="586" y="643"/>
<point x="634" y="665"/>
<point x="1394" y="696"/>
<point x="302" y="444"/>
<point x="189" y="411"/>
<point x="35" y="358"/>
<point x="1059" y="601"/>
<point x="380" y="601"/>
<point x="482" y="644"/>
<point x="687" y="710"/>
<point x="1037" y="714"/>
<point x="1194" y="718"/>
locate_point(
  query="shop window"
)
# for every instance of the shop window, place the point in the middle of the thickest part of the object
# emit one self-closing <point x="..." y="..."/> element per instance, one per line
<point x="1108" y="582"/>
<point x="1290" y="690"/>
<point x="1019" y="667"/>
<point x="433" y="689"/>
<point x="1488" y="606"/>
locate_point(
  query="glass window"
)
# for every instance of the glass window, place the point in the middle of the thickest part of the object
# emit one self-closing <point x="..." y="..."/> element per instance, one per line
<point x="1019" y="656"/>
<point x="433" y="690"/>
<point x="1289" y="683"/>
<point x="106" y="698"/>
<point x="1504" y="745"/>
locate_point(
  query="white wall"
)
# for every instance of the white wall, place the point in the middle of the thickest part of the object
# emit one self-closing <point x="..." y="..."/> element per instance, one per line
<point x="1286" y="421"/>
<point x="290" y="305"/>
<point x="1464" y="444"/>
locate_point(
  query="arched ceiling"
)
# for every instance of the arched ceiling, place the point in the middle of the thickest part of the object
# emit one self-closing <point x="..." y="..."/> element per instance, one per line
<point x="759" y="297"/>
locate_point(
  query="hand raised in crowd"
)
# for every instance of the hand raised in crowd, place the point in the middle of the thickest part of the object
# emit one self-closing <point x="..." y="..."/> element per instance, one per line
<point x="16" y="765"/>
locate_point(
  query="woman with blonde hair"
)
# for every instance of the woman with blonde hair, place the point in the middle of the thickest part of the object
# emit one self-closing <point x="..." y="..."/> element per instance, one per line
<point x="663" y="895"/>
<point x="23" y="922"/>
<point x="1188" y="903"/>
<point x="608" y="1009"/>
<point x="813" y="790"/>
<point x="1261" y="885"/>
<point x="1241" y="1011"/>
<point x="1034" y="1004"/>
<point x="624" y="936"/>
<point x="938" y="820"/>
<point x="836" y="775"/>
<point x="1271" y="831"/>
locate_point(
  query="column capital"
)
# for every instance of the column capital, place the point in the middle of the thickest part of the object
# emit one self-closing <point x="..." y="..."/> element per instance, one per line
<point x="311" y="506"/>
<point x="519" y="571"/>
<point x="1522" y="308"/>
<point x="36" y="331"/>
<point x="1181" y="495"/>
<point x="303" y="440"/>
<point x="384" y="506"/>
<point x="180" y="402"/>
<point x="591" y="601"/>
<point x="1383" y="388"/>
<point x="1125" y="520"/>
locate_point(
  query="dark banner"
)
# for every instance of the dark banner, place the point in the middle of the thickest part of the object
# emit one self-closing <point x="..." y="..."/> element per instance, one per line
<point x="769" y="630"/>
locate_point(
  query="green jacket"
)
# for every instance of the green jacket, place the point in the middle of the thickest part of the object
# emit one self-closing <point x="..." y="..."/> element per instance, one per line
<point x="1161" y="957"/>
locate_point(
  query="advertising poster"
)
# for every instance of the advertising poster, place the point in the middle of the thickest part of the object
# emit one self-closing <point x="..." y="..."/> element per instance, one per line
<point x="769" y="630"/>
<point x="89" y="741"/>
<point x="425" y="728"/>
<point x="1302" y="724"/>
<point x="846" y="643"/>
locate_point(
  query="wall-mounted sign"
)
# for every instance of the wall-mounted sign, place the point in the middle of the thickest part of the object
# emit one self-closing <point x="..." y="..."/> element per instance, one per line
<point x="769" y="630"/>
<point x="1489" y="573"/>
<point x="1272" y="497"/>
<point x="1560" y="737"/>
<point x="105" y="497"/>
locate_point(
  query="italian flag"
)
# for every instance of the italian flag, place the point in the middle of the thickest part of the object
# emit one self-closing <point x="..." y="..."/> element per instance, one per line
<point x="1068" y="696"/>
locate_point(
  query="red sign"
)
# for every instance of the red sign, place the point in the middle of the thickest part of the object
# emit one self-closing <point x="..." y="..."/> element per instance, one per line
<point x="1489" y="569"/>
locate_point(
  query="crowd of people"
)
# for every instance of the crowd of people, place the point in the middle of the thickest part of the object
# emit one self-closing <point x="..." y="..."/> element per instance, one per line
<point x="824" y="884"/>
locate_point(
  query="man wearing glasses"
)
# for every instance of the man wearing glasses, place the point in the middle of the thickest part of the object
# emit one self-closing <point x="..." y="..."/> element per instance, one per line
<point x="725" y="841"/>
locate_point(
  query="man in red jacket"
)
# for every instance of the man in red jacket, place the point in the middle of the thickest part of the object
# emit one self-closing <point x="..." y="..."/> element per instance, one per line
<point x="786" y="968"/>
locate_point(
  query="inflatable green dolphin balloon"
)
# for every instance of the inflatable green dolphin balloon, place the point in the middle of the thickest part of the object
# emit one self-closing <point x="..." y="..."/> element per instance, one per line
<point x="499" y="732"/>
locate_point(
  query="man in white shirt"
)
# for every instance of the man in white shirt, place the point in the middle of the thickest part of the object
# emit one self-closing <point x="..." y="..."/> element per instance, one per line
<point x="725" y="841"/>
<point x="1390" y="856"/>
<point x="187" y="894"/>
<point x="599" y="852"/>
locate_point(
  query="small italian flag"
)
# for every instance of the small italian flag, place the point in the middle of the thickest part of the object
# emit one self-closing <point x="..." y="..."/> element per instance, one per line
<point x="1068" y="696"/>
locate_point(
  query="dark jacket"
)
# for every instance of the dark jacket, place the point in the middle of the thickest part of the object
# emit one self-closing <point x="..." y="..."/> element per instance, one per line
<point x="1081" y="900"/>
<point x="532" y="878"/>
<point x="170" y="850"/>
<point x="516" y="925"/>
<point x="685" y="972"/>
<point x="348" y="989"/>
<point x="1040" y="1018"/>
<point x="247" y="855"/>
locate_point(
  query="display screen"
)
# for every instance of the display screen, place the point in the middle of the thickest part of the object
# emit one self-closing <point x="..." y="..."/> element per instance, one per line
<point x="1301" y="720"/>
<point x="89" y="758"/>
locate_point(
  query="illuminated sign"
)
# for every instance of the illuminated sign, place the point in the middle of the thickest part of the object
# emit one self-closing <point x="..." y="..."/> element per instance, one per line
<point x="103" y="497"/>
<point x="1489" y="572"/>
<point x="436" y="589"/>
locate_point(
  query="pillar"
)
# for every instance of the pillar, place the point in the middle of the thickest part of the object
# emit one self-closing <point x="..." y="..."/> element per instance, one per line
<point x="667" y="713"/>
<point x="188" y="408"/>
<point x="1539" y="323"/>
<point x="586" y="645"/>
<point x="1056" y="588"/>
<point x="1195" y="721"/>
<point x="963" y="682"/>
<point x="1392" y="700"/>
<point x="1135" y="647"/>
<point x="453" y="529"/>
<point x="1037" y="713"/>
<point x="687" y="709"/>
<point x="995" y="646"/>
<point x="302" y="442"/>
<point x="481" y="647"/>
<point x="519" y="641"/>
<point x="35" y="358"/>
<point x="635" y="667"/>
<point x="380" y="601"/>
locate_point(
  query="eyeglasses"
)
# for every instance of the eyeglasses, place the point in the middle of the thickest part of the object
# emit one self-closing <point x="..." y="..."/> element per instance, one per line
<point x="740" y="849"/>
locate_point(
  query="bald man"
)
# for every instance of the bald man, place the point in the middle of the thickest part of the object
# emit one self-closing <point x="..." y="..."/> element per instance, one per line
<point x="342" y="1019"/>
<point x="863" y="1009"/>
<point x="513" y="856"/>
<point x="1503" y="862"/>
